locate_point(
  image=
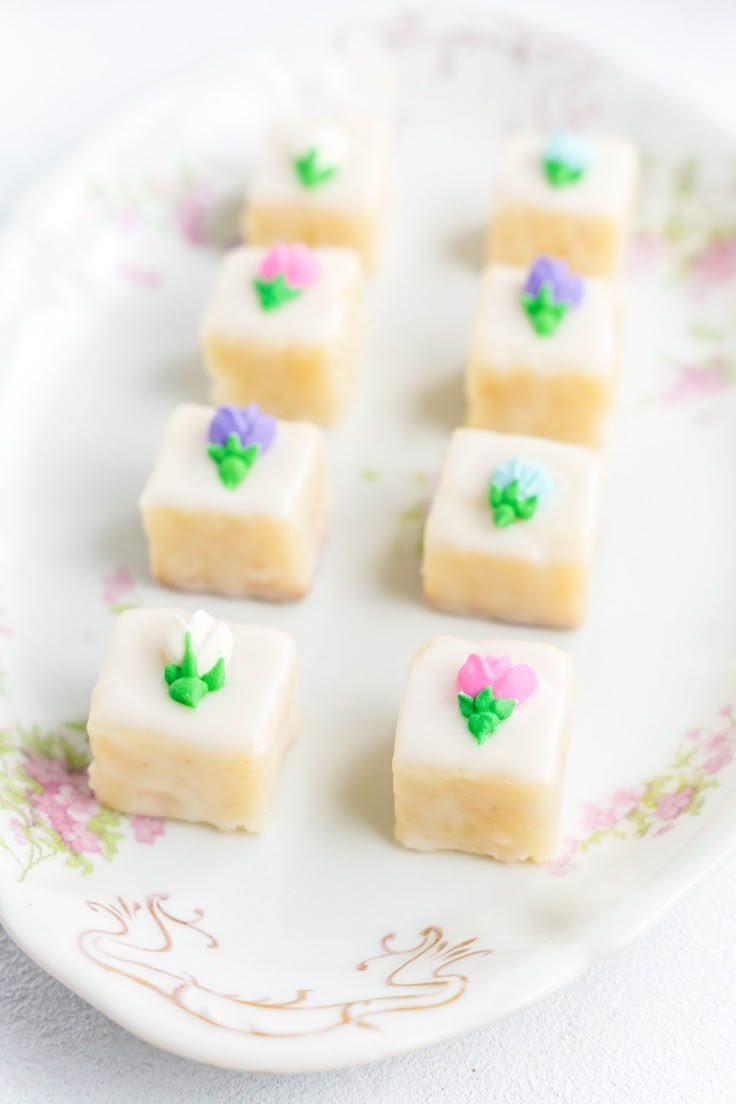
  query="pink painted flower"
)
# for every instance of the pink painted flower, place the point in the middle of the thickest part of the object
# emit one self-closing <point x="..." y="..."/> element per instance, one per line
<point x="147" y="829"/>
<point x="717" y="762"/>
<point x="719" y="740"/>
<point x="624" y="801"/>
<point x="141" y="275"/>
<point x="670" y="805"/>
<point x="19" y="832"/>
<point x="116" y="585"/>
<point x="716" y="263"/>
<point x="697" y="381"/>
<point x="296" y="263"/>
<point x="597" y="816"/>
<point x="505" y="679"/>
<point x="693" y="734"/>
<point x="726" y="710"/>
<point x="190" y="215"/>
<point x="50" y="773"/>
<point x="77" y="801"/>
<point x="78" y="837"/>
<point x="644" y="249"/>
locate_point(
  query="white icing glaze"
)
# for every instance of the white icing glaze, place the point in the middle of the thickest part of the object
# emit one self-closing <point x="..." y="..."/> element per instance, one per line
<point x="360" y="183"/>
<point x="131" y="692"/>
<point x="585" y="341"/>
<point x="211" y="640"/>
<point x="234" y="310"/>
<point x="562" y="529"/>
<point x="184" y="477"/>
<point x="329" y="140"/>
<point x="607" y="187"/>
<point x="526" y="746"/>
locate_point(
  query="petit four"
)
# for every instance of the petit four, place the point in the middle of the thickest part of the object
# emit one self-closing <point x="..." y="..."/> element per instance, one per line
<point x="237" y="503"/>
<point x="191" y="718"/>
<point x="323" y="181"/>
<point x="566" y="195"/>
<point x="511" y="530"/>
<point x="480" y="748"/>
<point x="544" y="353"/>
<point x="283" y="328"/>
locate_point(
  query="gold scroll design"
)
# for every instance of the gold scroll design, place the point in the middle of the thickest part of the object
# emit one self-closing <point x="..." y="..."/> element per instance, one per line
<point x="146" y="942"/>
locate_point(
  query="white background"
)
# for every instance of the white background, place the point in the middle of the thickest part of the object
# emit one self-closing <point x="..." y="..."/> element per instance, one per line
<point x="657" y="1022"/>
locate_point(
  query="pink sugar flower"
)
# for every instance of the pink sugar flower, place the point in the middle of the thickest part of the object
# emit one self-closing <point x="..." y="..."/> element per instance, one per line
<point x="670" y="805"/>
<point x="147" y="829"/>
<point x="296" y="263"/>
<point x="505" y="679"/>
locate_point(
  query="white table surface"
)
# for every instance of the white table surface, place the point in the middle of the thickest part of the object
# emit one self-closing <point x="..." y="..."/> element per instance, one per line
<point x="655" y="1023"/>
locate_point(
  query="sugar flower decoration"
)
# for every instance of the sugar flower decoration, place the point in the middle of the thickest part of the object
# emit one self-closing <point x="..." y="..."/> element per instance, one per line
<point x="284" y="273"/>
<point x="551" y="289"/>
<point x="489" y="689"/>
<point x="238" y="435"/>
<point x="516" y="491"/>
<point x="566" y="159"/>
<point x="198" y="652"/>
<point x="320" y="156"/>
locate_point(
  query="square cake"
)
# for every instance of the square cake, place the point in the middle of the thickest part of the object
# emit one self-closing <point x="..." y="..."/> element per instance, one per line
<point x="284" y="328"/>
<point x="237" y="503"/>
<point x="511" y="530"/>
<point x="480" y="748"/>
<point x="567" y="195"/>
<point x="191" y="718"/>
<point x="544" y="353"/>
<point x="321" y="180"/>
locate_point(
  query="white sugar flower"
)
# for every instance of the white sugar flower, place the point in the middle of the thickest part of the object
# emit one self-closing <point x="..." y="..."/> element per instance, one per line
<point x="328" y="142"/>
<point x="211" y="640"/>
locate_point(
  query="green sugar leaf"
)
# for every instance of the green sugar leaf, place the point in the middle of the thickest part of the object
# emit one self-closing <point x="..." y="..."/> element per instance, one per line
<point x="214" y="679"/>
<point x="484" y="701"/>
<point x="188" y="691"/>
<point x="560" y="174"/>
<point x="466" y="704"/>
<point x="503" y="707"/>
<point x="172" y="672"/>
<point x="275" y="293"/>
<point x="504" y="515"/>
<point x="482" y="725"/>
<point x="311" y="174"/>
<point x="217" y="452"/>
<point x="527" y="507"/>
<point x="495" y="495"/>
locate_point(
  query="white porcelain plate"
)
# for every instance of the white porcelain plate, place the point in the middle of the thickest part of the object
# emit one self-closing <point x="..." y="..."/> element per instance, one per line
<point x="323" y="943"/>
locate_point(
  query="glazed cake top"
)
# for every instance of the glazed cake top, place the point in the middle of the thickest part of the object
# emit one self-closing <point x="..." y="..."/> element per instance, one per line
<point x="186" y="478"/>
<point x="606" y="189"/>
<point x="131" y="695"/>
<point x="527" y="746"/>
<point x="561" y="530"/>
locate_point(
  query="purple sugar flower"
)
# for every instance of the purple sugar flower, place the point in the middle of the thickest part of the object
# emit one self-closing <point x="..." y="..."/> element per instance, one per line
<point x="565" y="286"/>
<point x="250" y="425"/>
